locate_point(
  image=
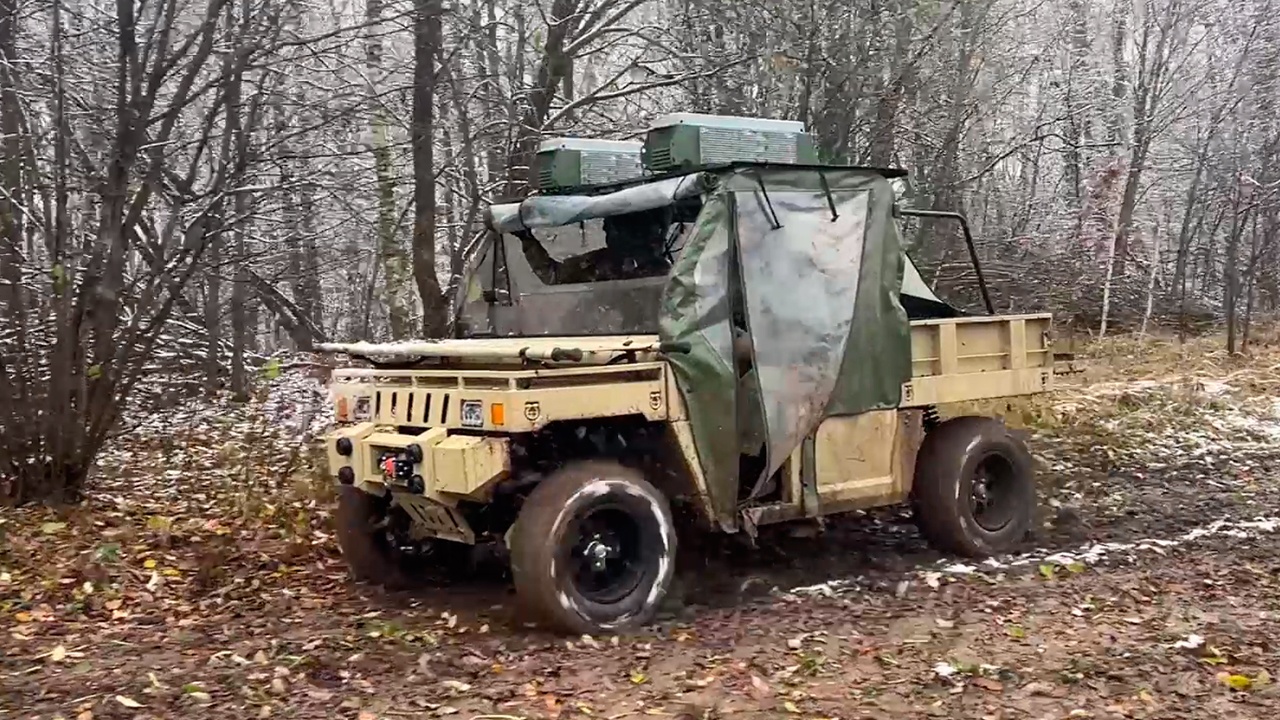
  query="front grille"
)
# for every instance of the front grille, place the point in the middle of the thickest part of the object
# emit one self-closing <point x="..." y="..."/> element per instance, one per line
<point x="411" y="407"/>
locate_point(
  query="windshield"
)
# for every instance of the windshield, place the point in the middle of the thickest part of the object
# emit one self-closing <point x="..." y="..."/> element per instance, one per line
<point x="599" y="276"/>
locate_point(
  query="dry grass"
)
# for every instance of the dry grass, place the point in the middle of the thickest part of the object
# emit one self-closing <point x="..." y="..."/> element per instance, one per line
<point x="1163" y="357"/>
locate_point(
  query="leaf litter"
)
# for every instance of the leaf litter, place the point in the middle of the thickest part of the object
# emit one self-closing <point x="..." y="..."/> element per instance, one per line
<point x="202" y="572"/>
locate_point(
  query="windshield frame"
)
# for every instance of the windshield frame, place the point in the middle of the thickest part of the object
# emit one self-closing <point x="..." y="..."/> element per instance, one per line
<point x="502" y="285"/>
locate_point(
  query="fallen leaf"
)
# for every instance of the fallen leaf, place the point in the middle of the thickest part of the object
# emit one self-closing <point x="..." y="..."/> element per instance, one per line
<point x="638" y="677"/>
<point x="58" y="654"/>
<point x="159" y="522"/>
<point x="455" y="685"/>
<point x="149" y="564"/>
<point x="53" y="528"/>
<point x="128" y="702"/>
<point x="1234" y="681"/>
<point x="988" y="684"/>
<point x="203" y="698"/>
<point x="759" y="687"/>
<point x="22" y="616"/>
<point x="791" y="707"/>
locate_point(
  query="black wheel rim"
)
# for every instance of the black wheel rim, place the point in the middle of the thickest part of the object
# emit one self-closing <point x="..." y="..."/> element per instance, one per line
<point x="993" y="496"/>
<point x="606" y="554"/>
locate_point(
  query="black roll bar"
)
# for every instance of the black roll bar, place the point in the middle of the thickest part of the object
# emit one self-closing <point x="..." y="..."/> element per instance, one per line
<point x="968" y="241"/>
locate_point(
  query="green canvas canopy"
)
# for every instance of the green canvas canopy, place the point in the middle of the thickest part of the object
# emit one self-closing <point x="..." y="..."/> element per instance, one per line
<point x="811" y="261"/>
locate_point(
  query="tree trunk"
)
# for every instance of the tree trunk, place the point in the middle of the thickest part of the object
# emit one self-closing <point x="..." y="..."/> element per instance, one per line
<point x="240" y="290"/>
<point x="426" y="45"/>
<point x="396" y="269"/>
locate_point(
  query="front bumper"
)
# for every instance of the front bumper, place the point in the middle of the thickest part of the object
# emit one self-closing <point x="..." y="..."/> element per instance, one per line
<point x="427" y="473"/>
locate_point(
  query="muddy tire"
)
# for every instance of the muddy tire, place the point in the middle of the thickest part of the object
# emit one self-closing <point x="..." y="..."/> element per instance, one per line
<point x="365" y="548"/>
<point x="593" y="549"/>
<point x="372" y="557"/>
<point x="974" y="491"/>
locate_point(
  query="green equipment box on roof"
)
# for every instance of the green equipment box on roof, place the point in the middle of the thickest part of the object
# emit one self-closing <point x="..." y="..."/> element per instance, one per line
<point x="566" y="163"/>
<point x="683" y="141"/>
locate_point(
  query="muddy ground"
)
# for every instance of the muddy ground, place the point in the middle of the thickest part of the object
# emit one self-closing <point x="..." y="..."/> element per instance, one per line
<point x="201" y="580"/>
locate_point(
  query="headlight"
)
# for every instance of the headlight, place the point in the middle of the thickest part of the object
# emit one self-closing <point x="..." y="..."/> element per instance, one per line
<point x="363" y="410"/>
<point x="472" y="414"/>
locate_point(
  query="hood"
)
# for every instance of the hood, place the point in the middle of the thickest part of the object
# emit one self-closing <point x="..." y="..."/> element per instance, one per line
<point x="588" y="350"/>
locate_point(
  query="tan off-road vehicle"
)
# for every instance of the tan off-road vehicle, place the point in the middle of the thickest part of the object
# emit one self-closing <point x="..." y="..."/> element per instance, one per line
<point x="746" y="340"/>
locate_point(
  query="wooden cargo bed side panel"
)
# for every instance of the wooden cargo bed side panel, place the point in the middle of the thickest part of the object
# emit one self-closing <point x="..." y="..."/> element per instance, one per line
<point x="963" y="359"/>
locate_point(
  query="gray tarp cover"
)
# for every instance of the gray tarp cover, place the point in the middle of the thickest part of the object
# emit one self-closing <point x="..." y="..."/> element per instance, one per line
<point x="556" y="210"/>
<point x="914" y="285"/>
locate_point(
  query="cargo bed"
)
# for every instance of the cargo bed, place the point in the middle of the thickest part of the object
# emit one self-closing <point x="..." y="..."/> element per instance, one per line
<point x="974" y="358"/>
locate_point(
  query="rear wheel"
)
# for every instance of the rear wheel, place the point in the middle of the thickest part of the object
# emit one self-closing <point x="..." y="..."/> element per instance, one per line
<point x="974" y="489"/>
<point x="375" y="549"/>
<point x="593" y="549"/>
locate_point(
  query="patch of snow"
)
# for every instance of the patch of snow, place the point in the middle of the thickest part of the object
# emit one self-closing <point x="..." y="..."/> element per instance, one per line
<point x="1192" y="642"/>
<point x="1088" y="554"/>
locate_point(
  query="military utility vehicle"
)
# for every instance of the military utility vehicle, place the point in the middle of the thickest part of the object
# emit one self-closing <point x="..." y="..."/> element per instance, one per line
<point x="709" y="322"/>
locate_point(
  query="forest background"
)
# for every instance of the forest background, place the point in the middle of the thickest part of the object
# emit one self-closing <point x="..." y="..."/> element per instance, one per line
<point x="188" y="187"/>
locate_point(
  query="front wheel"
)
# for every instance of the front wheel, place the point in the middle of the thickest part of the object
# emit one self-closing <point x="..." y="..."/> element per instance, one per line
<point x="376" y="551"/>
<point x="974" y="490"/>
<point x="593" y="549"/>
